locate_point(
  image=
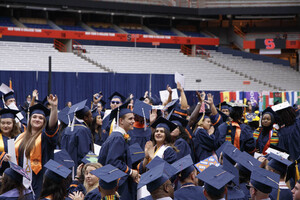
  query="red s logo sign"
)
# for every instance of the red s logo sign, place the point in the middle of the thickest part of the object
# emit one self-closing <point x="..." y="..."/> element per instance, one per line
<point x="269" y="43"/>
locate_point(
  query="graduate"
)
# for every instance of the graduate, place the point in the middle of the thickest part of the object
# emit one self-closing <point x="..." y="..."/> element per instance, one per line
<point x="279" y="165"/>
<point x="266" y="134"/>
<point x="12" y="187"/>
<point x="99" y="135"/>
<point x="204" y="138"/>
<point x="8" y="130"/>
<point x="115" y="150"/>
<point x="36" y="146"/>
<point x="289" y="132"/>
<point x="77" y="138"/>
<point x="187" y="173"/>
<point x="296" y="191"/>
<point x="161" y="145"/>
<point x="262" y="182"/>
<point x="157" y="181"/>
<point x="240" y="135"/>
<point x="215" y="182"/>
<point x="55" y="181"/>
<point x="9" y="97"/>
<point x="141" y="132"/>
<point x="180" y="137"/>
<point x="108" y="181"/>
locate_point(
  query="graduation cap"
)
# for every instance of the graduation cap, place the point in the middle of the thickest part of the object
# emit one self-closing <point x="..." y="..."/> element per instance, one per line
<point x="9" y="95"/>
<point x="270" y="111"/>
<point x="177" y="119"/>
<point x="157" y="176"/>
<point x="247" y="163"/>
<point x="293" y="170"/>
<point x="223" y="105"/>
<point x="215" y="178"/>
<point x="233" y="170"/>
<point x="91" y="157"/>
<point x="236" y="105"/>
<point x="171" y="105"/>
<point x="64" y="117"/>
<point x="95" y="113"/>
<point x="204" y="164"/>
<point x="136" y="152"/>
<point x="39" y="109"/>
<point x="154" y="162"/>
<point x="142" y="109"/>
<point x="185" y="166"/>
<point x="108" y="176"/>
<point x="281" y="106"/>
<point x="164" y="123"/>
<point x="264" y="180"/>
<point x="64" y="158"/>
<point x="8" y="113"/>
<point x="221" y="148"/>
<point x="231" y="153"/>
<point x="16" y="172"/>
<point x="278" y="163"/>
<point x="56" y="171"/>
<point x="78" y="109"/>
<point x="117" y="95"/>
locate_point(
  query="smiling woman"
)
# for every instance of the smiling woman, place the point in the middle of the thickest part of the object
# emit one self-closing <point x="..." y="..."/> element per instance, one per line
<point x="8" y="130"/>
<point x="36" y="145"/>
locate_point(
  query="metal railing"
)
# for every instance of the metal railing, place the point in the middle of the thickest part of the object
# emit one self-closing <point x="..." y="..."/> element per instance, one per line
<point x="213" y="3"/>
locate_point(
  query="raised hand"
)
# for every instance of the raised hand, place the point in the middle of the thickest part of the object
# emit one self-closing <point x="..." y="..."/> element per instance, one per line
<point x="53" y="100"/>
<point x="210" y="99"/>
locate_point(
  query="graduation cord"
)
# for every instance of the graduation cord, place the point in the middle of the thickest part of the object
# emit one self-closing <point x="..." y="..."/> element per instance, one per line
<point x="187" y="185"/>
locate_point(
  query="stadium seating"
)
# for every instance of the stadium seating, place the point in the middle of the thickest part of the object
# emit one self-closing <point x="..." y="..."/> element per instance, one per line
<point x="41" y="26"/>
<point x="275" y="74"/>
<point x="25" y="56"/>
<point x="168" y="61"/>
<point x="6" y="21"/>
<point x="72" y="28"/>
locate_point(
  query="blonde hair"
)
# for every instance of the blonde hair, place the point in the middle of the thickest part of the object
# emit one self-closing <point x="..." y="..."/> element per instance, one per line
<point x="87" y="187"/>
<point x="28" y="141"/>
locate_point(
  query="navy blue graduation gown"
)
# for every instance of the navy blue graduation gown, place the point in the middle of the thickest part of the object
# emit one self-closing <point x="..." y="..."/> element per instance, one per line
<point x="100" y="140"/>
<point x="189" y="193"/>
<point x="285" y="194"/>
<point x="204" y="144"/>
<point x="76" y="186"/>
<point x="247" y="142"/>
<point x="115" y="151"/>
<point x="77" y="143"/>
<point x="140" y="136"/>
<point x="245" y="190"/>
<point x="93" y="195"/>
<point x="147" y="198"/>
<point x="289" y="139"/>
<point x="14" y="195"/>
<point x="183" y="147"/>
<point x="169" y="156"/>
<point x="49" y="142"/>
<point x="216" y="120"/>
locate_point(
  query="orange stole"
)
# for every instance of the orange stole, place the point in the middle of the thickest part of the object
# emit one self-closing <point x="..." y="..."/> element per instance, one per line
<point x="138" y="125"/>
<point x="35" y="154"/>
<point x="237" y="135"/>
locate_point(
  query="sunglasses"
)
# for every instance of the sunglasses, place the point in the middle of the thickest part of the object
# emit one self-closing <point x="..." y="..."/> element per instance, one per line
<point x="115" y="102"/>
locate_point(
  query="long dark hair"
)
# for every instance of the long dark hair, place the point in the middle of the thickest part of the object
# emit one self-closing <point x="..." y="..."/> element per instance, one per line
<point x="58" y="191"/>
<point x="95" y="128"/>
<point x="287" y="116"/>
<point x="8" y="184"/>
<point x="168" y="139"/>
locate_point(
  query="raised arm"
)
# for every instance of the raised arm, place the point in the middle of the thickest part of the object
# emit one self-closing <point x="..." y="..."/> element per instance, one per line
<point x="53" y="113"/>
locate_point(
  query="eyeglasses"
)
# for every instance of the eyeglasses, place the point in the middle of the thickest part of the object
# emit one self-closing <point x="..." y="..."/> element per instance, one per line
<point x="115" y="102"/>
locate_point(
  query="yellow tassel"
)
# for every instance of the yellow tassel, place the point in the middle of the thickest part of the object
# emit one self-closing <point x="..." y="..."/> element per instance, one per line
<point x="297" y="176"/>
<point x="278" y="194"/>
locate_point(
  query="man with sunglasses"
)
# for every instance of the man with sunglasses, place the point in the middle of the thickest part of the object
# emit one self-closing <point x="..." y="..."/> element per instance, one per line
<point x="116" y="99"/>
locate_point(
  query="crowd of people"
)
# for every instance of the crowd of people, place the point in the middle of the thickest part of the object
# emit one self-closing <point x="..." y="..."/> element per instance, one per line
<point x="144" y="149"/>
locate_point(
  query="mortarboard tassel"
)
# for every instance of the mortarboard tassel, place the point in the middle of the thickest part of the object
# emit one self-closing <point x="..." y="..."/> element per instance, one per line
<point x="297" y="176"/>
<point x="278" y="193"/>
<point x="69" y="121"/>
<point x="144" y="119"/>
<point x="73" y="121"/>
<point x="118" y="114"/>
